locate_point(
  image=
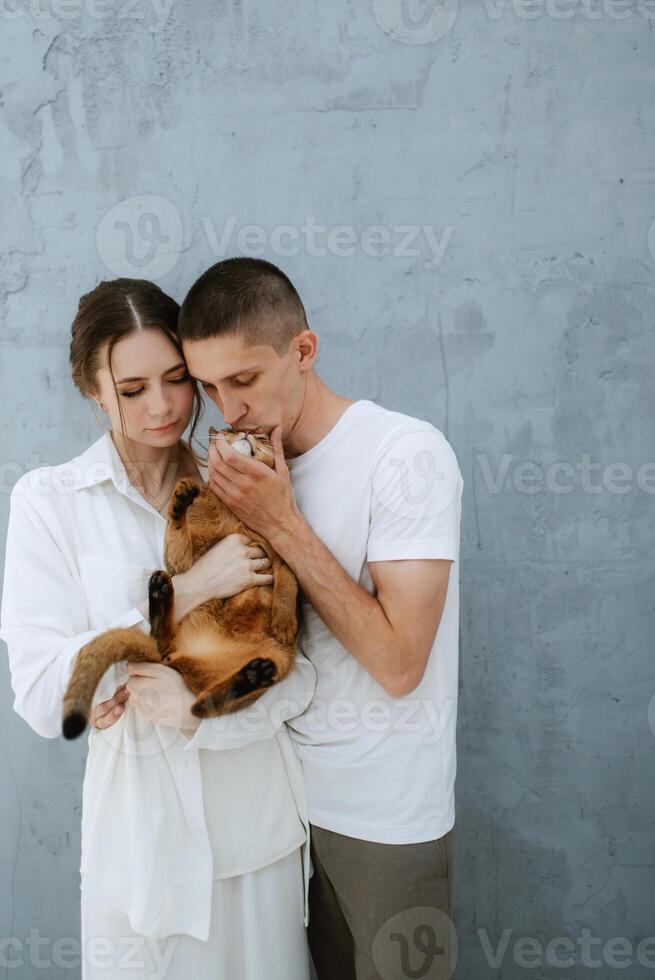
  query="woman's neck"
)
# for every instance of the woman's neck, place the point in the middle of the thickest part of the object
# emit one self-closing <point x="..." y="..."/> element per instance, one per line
<point x="148" y="467"/>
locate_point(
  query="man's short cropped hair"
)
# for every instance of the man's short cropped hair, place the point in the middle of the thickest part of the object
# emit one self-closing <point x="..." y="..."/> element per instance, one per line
<point x="245" y="296"/>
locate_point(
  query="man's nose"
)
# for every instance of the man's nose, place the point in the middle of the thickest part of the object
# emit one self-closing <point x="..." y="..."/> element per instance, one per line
<point x="232" y="412"/>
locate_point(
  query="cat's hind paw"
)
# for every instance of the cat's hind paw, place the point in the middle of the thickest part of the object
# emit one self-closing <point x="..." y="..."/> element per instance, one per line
<point x="160" y="606"/>
<point x="160" y="587"/>
<point x="260" y="672"/>
<point x="244" y="686"/>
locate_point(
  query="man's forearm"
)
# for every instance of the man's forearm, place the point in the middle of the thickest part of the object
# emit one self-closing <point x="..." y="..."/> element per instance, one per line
<point x="351" y="613"/>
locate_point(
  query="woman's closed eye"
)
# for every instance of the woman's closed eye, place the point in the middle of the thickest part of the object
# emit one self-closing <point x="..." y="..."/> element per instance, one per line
<point x="137" y="391"/>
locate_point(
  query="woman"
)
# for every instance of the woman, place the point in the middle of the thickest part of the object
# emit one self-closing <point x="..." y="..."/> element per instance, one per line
<point x="194" y="833"/>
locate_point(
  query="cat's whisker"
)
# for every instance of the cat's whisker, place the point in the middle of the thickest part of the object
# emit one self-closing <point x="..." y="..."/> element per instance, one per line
<point x="268" y="450"/>
<point x="279" y="457"/>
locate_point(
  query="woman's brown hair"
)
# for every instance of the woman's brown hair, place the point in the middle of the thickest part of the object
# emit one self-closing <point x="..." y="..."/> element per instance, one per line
<point x="113" y="310"/>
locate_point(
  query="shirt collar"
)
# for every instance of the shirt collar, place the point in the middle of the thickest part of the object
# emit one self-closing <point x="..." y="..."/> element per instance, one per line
<point x="100" y="463"/>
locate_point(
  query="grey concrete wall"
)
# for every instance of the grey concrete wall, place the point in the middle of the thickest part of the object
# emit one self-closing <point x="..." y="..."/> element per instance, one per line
<point x="464" y="197"/>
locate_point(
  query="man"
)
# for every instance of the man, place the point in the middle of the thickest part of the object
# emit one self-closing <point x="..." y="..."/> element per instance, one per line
<point x="364" y="505"/>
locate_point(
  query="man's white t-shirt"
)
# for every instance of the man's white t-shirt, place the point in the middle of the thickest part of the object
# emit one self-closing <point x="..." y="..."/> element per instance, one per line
<point x="380" y="486"/>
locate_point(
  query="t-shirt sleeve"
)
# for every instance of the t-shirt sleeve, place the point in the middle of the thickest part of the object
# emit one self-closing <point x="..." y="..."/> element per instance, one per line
<point x="416" y="490"/>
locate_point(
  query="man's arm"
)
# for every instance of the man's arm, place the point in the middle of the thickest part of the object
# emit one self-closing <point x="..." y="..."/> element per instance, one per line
<point x="391" y="633"/>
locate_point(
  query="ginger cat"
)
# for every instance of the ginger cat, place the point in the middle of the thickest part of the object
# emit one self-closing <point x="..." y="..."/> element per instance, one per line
<point x="229" y="651"/>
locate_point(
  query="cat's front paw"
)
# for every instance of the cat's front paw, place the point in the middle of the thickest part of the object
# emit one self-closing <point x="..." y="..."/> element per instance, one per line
<point x="185" y="493"/>
<point x="260" y="672"/>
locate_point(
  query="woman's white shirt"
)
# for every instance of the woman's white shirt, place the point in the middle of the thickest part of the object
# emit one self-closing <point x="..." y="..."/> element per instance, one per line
<point x="163" y="815"/>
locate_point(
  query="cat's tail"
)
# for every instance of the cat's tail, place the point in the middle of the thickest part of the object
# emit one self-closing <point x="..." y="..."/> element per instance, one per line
<point x="91" y="663"/>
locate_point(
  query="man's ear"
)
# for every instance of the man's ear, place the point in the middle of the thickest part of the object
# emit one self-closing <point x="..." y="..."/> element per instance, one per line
<point x="307" y="349"/>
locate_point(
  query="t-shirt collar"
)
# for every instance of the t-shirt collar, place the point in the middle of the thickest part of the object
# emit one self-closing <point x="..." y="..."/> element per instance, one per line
<point x="328" y="439"/>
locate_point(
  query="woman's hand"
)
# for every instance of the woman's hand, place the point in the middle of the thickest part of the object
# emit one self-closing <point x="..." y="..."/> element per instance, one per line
<point x="161" y="695"/>
<point x="105" y="713"/>
<point x="229" y="567"/>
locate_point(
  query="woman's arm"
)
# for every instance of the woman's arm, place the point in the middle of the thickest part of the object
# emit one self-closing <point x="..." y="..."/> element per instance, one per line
<point x="228" y="567"/>
<point x="43" y="619"/>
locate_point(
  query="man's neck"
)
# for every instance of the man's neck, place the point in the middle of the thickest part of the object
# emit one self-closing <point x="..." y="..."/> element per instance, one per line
<point x="321" y="410"/>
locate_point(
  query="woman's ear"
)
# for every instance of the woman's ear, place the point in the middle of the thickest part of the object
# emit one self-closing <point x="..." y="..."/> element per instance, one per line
<point x="93" y="393"/>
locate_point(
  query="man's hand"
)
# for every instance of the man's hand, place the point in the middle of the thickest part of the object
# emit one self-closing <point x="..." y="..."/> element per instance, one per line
<point x="260" y="497"/>
<point x="161" y="694"/>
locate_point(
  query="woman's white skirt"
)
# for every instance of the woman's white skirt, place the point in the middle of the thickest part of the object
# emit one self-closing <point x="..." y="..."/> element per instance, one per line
<point x="256" y="933"/>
